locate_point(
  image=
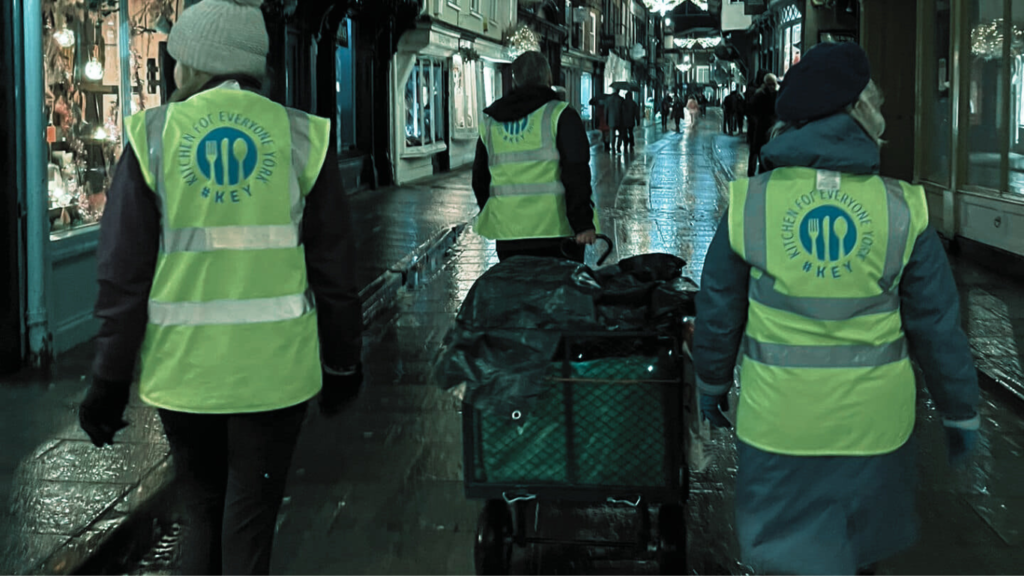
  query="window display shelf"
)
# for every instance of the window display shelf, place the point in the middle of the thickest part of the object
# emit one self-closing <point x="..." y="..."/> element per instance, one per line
<point x="423" y="151"/>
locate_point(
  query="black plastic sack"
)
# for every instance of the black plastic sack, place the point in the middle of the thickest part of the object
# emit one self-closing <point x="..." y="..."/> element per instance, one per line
<point x="508" y="330"/>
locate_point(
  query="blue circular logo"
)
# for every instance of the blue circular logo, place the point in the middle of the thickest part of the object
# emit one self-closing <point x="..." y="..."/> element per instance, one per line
<point x="517" y="127"/>
<point x="227" y="157"/>
<point x="828" y="234"/>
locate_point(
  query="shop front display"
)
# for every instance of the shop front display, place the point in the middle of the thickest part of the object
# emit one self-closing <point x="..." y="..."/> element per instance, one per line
<point x="84" y="85"/>
<point x="98" y="62"/>
<point x="81" y="82"/>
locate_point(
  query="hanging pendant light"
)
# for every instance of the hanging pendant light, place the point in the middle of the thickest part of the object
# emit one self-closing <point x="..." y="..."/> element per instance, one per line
<point x="65" y="38"/>
<point x="94" y="69"/>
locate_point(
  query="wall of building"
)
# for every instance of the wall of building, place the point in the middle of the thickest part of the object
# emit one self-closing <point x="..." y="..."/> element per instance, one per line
<point x="462" y="34"/>
<point x="818" y="19"/>
<point x="733" y="16"/>
<point x="888" y="32"/>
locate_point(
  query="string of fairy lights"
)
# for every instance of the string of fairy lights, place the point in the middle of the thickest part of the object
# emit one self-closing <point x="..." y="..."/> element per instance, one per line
<point x="987" y="40"/>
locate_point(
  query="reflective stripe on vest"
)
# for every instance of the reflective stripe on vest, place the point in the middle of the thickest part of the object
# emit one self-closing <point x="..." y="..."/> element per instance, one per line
<point x="555" y="188"/>
<point x="789" y="356"/>
<point x="230" y="311"/>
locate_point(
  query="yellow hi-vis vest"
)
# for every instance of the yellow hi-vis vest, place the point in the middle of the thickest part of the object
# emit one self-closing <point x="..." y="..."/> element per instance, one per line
<point x="232" y="326"/>
<point x="824" y="360"/>
<point x="527" y="198"/>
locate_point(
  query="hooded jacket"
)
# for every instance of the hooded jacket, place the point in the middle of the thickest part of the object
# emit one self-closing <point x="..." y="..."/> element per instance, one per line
<point x="573" y="150"/>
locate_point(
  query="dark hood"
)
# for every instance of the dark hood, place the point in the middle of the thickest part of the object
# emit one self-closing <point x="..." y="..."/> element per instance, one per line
<point x="520" y="103"/>
<point x="836" y="142"/>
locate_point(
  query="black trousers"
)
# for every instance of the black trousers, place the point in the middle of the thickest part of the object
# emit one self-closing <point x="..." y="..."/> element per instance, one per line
<point x="543" y="247"/>
<point x="625" y="138"/>
<point x="231" y="473"/>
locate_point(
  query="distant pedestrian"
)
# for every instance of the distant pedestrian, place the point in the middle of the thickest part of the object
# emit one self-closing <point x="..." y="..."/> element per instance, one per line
<point x="740" y="116"/>
<point x="729" y="114"/>
<point x="679" y="112"/>
<point x="693" y="107"/>
<point x="762" y="111"/>
<point x="211" y="269"/>
<point x="601" y="116"/>
<point x="616" y="119"/>
<point x="531" y="175"/>
<point x="666" y="111"/>
<point x="630" y="120"/>
<point x="851" y="283"/>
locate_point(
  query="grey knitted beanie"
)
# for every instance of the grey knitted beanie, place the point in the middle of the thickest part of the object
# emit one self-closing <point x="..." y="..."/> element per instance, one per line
<point x="222" y="37"/>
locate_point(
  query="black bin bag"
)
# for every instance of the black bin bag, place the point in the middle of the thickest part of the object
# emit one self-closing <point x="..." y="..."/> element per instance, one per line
<point x="508" y="330"/>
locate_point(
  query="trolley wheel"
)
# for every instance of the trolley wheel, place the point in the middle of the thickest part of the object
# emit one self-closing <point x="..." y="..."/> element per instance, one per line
<point x="492" y="552"/>
<point x="672" y="539"/>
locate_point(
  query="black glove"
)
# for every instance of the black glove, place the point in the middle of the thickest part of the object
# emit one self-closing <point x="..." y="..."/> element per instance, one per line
<point x="339" y="391"/>
<point x="713" y="409"/>
<point x="101" y="414"/>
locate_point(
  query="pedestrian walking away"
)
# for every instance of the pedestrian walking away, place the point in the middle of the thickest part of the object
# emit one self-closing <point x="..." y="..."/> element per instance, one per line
<point x="531" y="175"/>
<point x="693" y="108"/>
<point x="679" y="112"/>
<point x="762" y="114"/>
<point x="616" y="107"/>
<point x="631" y="119"/>
<point x="824" y="280"/>
<point x="208" y="270"/>
<point x="666" y="111"/>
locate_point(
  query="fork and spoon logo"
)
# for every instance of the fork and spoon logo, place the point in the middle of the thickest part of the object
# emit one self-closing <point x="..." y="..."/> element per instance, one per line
<point x="227" y="157"/>
<point x="828" y="234"/>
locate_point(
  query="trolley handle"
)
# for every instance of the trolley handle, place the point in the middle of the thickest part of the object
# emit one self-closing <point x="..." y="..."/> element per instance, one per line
<point x="607" y="252"/>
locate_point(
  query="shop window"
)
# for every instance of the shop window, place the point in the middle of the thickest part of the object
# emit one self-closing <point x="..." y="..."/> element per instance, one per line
<point x="591" y="34"/>
<point x="586" y="95"/>
<point x="425" y="115"/>
<point x="491" y="79"/>
<point x="346" y="89"/>
<point x="82" y="105"/>
<point x="988" y="89"/>
<point x="1016" y="144"/>
<point x="466" y="101"/>
<point x="85" y="91"/>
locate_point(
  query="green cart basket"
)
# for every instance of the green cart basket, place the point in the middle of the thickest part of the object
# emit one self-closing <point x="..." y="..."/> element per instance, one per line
<point x="607" y="427"/>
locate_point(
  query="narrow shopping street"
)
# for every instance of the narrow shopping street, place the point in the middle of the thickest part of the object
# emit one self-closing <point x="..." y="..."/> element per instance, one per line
<point x="379" y="490"/>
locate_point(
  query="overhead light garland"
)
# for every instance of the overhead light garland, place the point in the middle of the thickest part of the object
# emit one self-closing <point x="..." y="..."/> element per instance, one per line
<point x="690" y="43"/>
<point x="663" y="6"/>
<point x="987" y="40"/>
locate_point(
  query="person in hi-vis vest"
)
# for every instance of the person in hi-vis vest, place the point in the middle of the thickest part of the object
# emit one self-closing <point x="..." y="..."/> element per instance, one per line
<point x="226" y="268"/>
<point x="823" y="281"/>
<point x="531" y="175"/>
